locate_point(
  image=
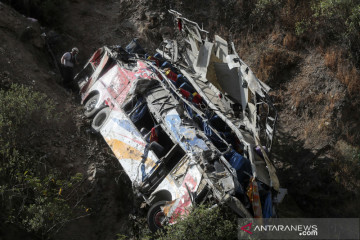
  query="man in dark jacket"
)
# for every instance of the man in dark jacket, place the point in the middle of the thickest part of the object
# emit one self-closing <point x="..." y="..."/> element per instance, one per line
<point x="68" y="60"/>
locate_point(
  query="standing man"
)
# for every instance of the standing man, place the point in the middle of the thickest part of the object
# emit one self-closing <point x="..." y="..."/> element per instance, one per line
<point x="68" y="60"/>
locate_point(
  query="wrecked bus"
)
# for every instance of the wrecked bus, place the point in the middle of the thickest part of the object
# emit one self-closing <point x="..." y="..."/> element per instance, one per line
<point x="182" y="136"/>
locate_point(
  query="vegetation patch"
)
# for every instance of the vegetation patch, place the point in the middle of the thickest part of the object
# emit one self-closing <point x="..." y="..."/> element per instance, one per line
<point x="203" y="223"/>
<point x="36" y="196"/>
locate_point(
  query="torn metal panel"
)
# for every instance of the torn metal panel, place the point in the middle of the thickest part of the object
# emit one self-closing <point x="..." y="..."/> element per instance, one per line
<point x="193" y="52"/>
<point x="262" y="170"/>
<point x="203" y="58"/>
<point x="272" y="171"/>
<point x="127" y="144"/>
<point x="194" y="46"/>
<point x="221" y="48"/>
<point x="227" y="183"/>
<point x="186" y="136"/>
<point x="233" y="61"/>
<point x="252" y="116"/>
<point x="174" y="51"/>
<point x="169" y="50"/>
<point x="252" y="81"/>
<point x="228" y="79"/>
<point x="254" y="84"/>
<point x="181" y="206"/>
<point x="238" y="207"/>
<point x="180" y="170"/>
<point x="193" y="32"/>
<point x="270" y="129"/>
<point x="190" y="58"/>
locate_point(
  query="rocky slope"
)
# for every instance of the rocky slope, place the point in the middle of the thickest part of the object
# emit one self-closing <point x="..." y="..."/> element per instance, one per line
<point x="68" y="143"/>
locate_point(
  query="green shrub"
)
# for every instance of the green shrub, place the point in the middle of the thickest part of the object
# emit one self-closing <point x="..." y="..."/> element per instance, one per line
<point x="335" y="13"/>
<point x="330" y="17"/>
<point x="333" y="22"/>
<point x="203" y="223"/>
<point x="35" y="196"/>
<point x="301" y="27"/>
<point x="19" y="103"/>
<point x="265" y="10"/>
<point x="353" y="21"/>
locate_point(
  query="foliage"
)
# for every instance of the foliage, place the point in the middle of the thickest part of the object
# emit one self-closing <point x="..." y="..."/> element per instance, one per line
<point x="263" y="6"/>
<point x="35" y="196"/>
<point x="334" y="21"/>
<point x="19" y="102"/>
<point x="301" y="27"/>
<point x="203" y="223"/>
<point x="335" y="13"/>
<point x="353" y="21"/>
<point x="265" y="10"/>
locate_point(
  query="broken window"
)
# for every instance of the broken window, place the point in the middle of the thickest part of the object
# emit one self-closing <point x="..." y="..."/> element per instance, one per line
<point x="137" y="110"/>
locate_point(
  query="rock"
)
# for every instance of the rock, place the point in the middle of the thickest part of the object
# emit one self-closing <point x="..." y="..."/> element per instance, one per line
<point x="32" y="34"/>
<point x="28" y="34"/>
<point x="70" y="165"/>
<point x="33" y="20"/>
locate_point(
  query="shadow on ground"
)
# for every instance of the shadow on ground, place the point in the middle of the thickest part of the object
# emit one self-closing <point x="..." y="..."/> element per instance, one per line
<point x="308" y="174"/>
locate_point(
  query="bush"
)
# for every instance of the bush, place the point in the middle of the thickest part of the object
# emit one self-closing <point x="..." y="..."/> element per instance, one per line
<point x="301" y="27"/>
<point x="265" y="10"/>
<point x="203" y="223"/>
<point x="35" y="195"/>
<point x="334" y="14"/>
<point x="333" y="21"/>
<point x="346" y="166"/>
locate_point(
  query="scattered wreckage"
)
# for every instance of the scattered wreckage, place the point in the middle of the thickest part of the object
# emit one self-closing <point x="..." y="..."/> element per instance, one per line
<point x="186" y="124"/>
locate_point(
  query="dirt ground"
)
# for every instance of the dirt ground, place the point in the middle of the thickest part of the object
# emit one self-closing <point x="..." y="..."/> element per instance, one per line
<point x="304" y="145"/>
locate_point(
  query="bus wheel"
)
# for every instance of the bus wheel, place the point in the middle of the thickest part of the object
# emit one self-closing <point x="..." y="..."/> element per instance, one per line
<point x="156" y="216"/>
<point x="90" y="106"/>
<point x="100" y="119"/>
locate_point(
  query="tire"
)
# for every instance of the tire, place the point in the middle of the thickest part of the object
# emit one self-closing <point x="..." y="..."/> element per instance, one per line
<point x="100" y="119"/>
<point x="90" y="106"/>
<point x="155" y="215"/>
